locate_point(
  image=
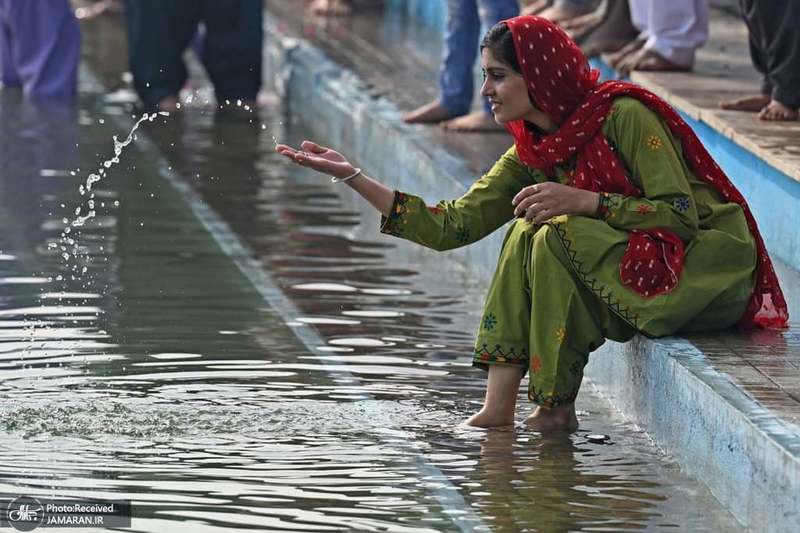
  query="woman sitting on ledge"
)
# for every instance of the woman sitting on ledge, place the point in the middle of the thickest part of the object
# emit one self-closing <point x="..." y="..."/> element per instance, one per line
<point x="624" y="224"/>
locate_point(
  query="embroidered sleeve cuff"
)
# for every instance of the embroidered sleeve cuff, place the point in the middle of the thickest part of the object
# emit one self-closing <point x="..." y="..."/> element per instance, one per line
<point x="393" y="224"/>
<point x="605" y="205"/>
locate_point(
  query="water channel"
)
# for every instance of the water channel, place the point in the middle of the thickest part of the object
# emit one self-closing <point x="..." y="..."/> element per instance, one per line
<point x="245" y="351"/>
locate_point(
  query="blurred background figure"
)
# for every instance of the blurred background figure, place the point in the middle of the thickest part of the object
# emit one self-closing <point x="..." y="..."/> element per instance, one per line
<point x="465" y="18"/>
<point x="159" y="32"/>
<point x="671" y="32"/>
<point x="40" y="46"/>
<point x="774" y="28"/>
<point x="88" y="9"/>
<point x="562" y="10"/>
<point x="607" y="29"/>
<point x="334" y="8"/>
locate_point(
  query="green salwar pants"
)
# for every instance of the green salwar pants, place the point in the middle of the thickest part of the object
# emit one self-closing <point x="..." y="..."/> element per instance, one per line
<point x="541" y="317"/>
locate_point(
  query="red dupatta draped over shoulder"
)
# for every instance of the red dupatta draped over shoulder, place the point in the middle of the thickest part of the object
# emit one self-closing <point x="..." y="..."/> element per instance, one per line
<point x="563" y="85"/>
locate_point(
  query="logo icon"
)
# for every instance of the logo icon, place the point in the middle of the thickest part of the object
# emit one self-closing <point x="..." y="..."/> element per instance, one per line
<point x="25" y="513"/>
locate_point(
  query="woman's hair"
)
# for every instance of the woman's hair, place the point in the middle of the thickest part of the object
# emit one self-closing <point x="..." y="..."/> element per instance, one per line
<point x="500" y="43"/>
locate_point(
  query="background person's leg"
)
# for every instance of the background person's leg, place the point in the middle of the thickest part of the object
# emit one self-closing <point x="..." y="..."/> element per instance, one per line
<point x="775" y="27"/>
<point x="460" y="43"/>
<point x="490" y="12"/>
<point x="8" y="70"/>
<point x="233" y="48"/>
<point x="158" y="34"/>
<point x="676" y="29"/>
<point x="46" y="47"/>
<point x="753" y="102"/>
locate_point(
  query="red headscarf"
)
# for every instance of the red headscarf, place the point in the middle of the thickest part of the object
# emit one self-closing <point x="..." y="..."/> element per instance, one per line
<point x="563" y="85"/>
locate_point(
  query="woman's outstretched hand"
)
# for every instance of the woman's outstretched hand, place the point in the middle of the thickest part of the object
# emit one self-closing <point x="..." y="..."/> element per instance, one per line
<point x="318" y="158"/>
<point x="543" y="201"/>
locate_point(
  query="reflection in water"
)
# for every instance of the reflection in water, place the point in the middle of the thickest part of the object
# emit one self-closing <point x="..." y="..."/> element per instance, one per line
<point x="162" y="376"/>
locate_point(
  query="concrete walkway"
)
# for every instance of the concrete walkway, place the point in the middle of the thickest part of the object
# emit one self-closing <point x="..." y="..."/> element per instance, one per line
<point x="727" y="406"/>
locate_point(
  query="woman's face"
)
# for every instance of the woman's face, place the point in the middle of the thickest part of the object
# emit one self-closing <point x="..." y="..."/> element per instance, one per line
<point x="505" y="89"/>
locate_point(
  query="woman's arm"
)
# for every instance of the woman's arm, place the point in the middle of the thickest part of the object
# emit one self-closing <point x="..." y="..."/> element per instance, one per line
<point x="449" y="224"/>
<point x="655" y="164"/>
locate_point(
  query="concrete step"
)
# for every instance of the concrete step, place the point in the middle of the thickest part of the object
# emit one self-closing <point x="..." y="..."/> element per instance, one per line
<point x="725" y="405"/>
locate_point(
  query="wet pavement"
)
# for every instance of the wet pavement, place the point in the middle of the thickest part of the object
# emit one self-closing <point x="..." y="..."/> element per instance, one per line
<point x="163" y="374"/>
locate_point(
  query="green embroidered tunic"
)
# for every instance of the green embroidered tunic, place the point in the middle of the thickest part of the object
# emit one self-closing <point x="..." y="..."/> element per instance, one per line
<point x="557" y="295"/>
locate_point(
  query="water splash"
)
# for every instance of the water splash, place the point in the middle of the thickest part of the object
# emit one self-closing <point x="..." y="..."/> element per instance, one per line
<point x="70" y="247"/>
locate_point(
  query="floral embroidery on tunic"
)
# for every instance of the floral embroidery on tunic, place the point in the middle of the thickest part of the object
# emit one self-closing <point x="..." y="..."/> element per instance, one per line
<point x="681" y="204"/>
<point x="654" y="142"/>
<point x="536" y="364"/>
<point x="489" y="322"/>
<point x="561" y="334"/>
<point x="462" y="235"/>
<point x="644" y="209"/>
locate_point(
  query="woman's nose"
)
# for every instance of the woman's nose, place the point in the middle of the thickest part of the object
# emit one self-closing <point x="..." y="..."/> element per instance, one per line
<point x="486" y="89"/>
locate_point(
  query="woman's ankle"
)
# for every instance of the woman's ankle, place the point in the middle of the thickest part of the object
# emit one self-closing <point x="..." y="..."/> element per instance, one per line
<point x="559" y="418"/>
<point x="482" y="419"/>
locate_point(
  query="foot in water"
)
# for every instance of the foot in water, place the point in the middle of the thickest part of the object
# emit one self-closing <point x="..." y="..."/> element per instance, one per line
<point x="331" y="8"/>
<point x="428" y="114"/>
<point x="560" y="418"/>
<point x="477" y="121"/>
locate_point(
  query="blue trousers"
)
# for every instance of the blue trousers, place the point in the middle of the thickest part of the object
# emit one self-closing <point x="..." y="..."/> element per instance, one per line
<point x="40" y="45"/>
<point x="160" y="31"/>
<point x="461" y="40"/>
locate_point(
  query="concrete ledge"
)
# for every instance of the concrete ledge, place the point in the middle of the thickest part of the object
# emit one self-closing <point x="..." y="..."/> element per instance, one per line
<point x="748" y="458"/>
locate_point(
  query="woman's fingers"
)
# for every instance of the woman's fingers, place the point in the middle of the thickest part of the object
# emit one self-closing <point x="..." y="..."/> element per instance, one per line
<point x="527" y="192"/>
<point x="313" y="147"/>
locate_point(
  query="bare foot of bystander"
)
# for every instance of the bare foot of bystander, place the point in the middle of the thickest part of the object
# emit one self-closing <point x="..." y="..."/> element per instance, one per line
<point x="428" y="113"/>
<point x="331" y="8"/>
<point x="533" y="7"/>
<point x="477" y="121"/>
<point x="753" y="103"/>
<point x="650" y="61"/>
<point x="776" y="111"/>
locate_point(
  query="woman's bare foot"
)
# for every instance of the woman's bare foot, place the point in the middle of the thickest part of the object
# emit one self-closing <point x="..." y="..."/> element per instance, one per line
<point x="534" y="7"/>
<point x="473" y="122"/>
<point x="430" y="112"/>
<point x="753" y="103"/>
<point x="332" y="8"/>
<point x="485" y="420"/>
<point x="776" y="111"/>
<point x="650" y="61"/>
<point x="616" y="59"/>
<point x="559" y="418"/>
